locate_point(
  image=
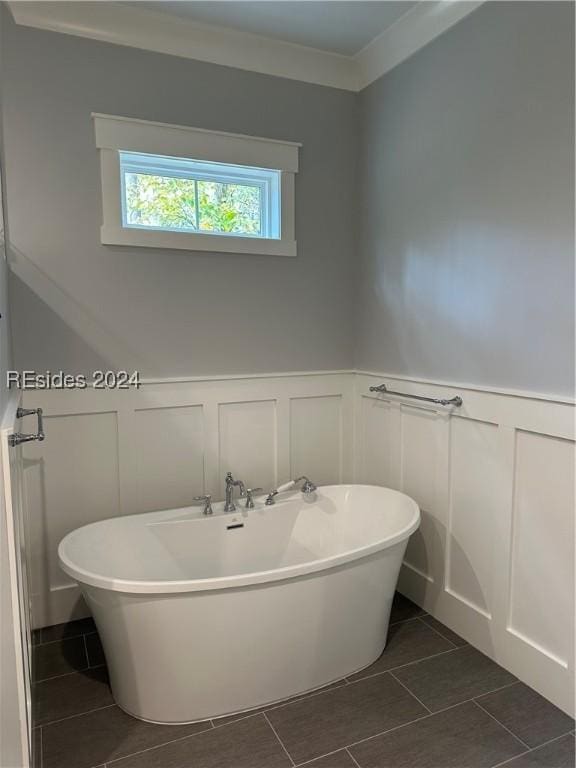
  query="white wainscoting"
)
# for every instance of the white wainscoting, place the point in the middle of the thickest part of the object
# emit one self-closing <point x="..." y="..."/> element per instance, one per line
<point x="494" y="556"/>
<point x="110" y="453"/>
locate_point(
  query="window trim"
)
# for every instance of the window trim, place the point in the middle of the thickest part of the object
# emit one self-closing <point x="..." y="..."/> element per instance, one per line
<point x="115" y="134"/>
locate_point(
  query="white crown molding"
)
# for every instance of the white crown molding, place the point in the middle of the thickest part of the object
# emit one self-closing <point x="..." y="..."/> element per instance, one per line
<point x="162" y="33"/>
<point x="127" y="24"/>
<point x="412" y="31"/>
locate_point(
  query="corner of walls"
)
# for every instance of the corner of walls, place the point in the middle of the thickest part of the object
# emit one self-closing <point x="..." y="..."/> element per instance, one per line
<point x="467" y="269"/>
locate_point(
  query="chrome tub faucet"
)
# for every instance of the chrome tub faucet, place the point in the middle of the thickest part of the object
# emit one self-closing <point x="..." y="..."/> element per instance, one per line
<point x="229" y="505"/>
<point x="307" y="488"/>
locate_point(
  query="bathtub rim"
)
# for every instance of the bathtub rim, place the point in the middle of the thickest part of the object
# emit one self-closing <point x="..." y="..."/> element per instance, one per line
<point x="159" y="587"/>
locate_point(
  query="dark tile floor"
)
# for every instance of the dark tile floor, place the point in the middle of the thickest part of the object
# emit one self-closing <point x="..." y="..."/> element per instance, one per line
<point x="430" y="701"/>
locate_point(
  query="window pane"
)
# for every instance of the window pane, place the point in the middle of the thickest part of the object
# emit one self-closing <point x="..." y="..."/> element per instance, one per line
<point x="229" y="208"/>
<point x="160" y="201"/>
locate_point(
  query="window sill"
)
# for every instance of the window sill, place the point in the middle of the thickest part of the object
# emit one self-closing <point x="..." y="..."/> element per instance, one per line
<point x="192" y="241"/>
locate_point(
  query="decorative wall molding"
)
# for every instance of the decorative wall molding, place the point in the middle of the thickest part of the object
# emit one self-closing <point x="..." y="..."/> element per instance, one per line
<point x="247" y="376"/>
<point x="493" y="558"/>
<point x="110" y="452"/>
<point x="494" y="555"/>
<point x="125" y="24"/>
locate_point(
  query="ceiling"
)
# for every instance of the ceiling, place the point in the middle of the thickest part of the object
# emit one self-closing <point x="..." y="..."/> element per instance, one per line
<point x="337" y="26"/>
<point x="335" y="43"/>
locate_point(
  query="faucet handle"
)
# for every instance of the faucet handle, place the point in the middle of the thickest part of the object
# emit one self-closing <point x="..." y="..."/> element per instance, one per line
<point x="207" y="499"/>
<point x="249" y="492"/>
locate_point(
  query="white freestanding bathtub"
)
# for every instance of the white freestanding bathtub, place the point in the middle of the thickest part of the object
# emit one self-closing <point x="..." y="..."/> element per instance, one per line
<point x="205" y="616"/>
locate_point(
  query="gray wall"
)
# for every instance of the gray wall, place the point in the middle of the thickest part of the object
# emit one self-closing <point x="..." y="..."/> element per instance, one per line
<point x="467" y="167"/>
<point x="5" y="340"/>
<point x="464" y="265"/>
<point x="80" y="305"/>
<point x="5" y="345"/>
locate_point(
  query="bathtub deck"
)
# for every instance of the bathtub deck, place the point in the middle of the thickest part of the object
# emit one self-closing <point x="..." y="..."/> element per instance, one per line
<point x="430" y="700"/>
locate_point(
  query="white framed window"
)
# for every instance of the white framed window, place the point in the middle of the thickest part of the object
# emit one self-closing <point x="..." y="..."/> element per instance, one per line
<point x="166" y="186"/>
<point x="175" y="194"/>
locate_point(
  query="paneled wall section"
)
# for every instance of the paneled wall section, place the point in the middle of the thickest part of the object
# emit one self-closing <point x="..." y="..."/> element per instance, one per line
<point x="111" y="453"/>
<point x="493" y="557"/>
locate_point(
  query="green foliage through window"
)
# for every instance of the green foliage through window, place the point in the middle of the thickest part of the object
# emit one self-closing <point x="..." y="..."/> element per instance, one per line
<point x="198" y="205"/>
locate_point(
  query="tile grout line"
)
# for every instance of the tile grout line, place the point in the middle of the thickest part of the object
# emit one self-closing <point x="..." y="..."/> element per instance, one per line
<point x="518" y="739"/>
<point x="279" y="704"/>
<point x="320" y="757"/>
<point x="388" y="730"/>
<point x="76" y="714"/>
<point x="403" y="621"/>
<point x="86" y="651"/>
<point x="514" y="757"/>
<point x="63" y="674"/>
<point x="313" y="694"/>
<point x="426" y="717"/>
<point x="533" y="749"/>
<point x="343" y="681"/>
<point x="421" y="620"/>
<point x="67" y="674"/>
<point x="288" y="755"/>
<point x="467" y="701"/>
<point x="242" y="716"/>
<point x="110" y="763"/>
<point x="356" y="763"/>
<point x="427" y="658"/>
<point x="65" y="639"/>
<point x="393" y="676"/>
<point x="325" y="689"/>
<point x="400" y="666"/>
<point x="346" y="748"/>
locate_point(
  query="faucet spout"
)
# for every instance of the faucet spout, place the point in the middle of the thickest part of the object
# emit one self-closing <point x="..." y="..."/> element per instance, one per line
<point x="231" y="483"/>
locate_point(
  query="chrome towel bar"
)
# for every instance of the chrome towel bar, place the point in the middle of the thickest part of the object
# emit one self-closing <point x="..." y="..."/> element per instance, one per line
<point x="457" y="401"/>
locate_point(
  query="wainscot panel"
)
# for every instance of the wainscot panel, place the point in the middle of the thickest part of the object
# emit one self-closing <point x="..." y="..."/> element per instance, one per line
<point x="494" y="556"/>
<point x="118" y="452"/>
